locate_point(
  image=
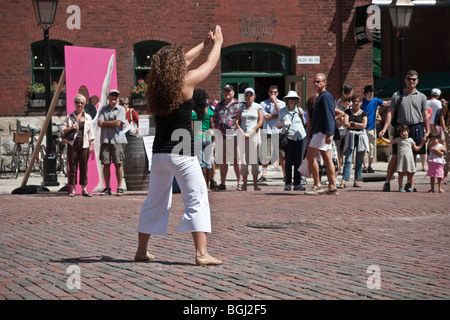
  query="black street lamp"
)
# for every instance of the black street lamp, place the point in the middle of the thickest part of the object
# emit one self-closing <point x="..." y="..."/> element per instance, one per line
<point x="45" y="11"/>
<point x="400" y="12"/>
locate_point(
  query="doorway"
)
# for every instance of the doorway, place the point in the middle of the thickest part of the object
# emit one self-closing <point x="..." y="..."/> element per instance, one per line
<point x="256" y="65"/>
<point x="259" y="84"/>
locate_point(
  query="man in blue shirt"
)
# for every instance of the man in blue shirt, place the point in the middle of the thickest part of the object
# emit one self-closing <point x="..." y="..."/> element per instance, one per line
<point x="323" y="124"/>
<point x="371" y="105"/>
<point x="271" y="107"/>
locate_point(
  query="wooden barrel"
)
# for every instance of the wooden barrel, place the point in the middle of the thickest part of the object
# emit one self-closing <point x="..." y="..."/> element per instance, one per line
<point x="135" y="166"/>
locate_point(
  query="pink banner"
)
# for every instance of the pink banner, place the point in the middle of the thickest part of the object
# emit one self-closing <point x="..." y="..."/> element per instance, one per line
<point x="91" y="72"/>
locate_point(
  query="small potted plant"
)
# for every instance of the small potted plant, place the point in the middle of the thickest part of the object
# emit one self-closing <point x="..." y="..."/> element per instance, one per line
<point x="139" y="90"/>
<point x="62" y="95"/>
<point x="36" y="90"/>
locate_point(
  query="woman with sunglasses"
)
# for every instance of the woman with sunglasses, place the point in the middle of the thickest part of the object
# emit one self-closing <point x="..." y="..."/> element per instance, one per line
<point x="248" y="122"/>
<point x="293" y="118"/>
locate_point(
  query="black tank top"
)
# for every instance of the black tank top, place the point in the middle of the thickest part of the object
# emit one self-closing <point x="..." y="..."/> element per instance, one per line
<point x="181" y="118"/>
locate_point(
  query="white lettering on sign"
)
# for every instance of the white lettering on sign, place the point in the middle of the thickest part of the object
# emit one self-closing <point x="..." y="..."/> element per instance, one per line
<point x="308" y="59"/>
<point x="74" y="21"/>
<point x="373" y="17"/>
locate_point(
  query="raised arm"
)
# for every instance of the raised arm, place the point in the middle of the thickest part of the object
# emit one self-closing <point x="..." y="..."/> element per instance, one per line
<point x="192" y="54"/>
<point x="196" y="76"/>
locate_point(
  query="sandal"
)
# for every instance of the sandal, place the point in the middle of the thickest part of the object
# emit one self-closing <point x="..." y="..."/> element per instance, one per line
<point x="143" y="257"/>
<point x="120" y="192"/>
<point x="86" y="194"/>
<point x="106" y="192"/>
<point x="72" y="194"/>
<point x="356" y="184"/>
<point x="240" y="188"/>
<point x="342" y="186"/>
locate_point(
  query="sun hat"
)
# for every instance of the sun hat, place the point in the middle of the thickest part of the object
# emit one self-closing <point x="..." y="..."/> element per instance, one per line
<point x="292" y="94"/>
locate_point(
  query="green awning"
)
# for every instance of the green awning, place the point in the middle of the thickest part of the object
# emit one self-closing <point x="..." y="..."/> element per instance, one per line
<point x="385" y="87"/>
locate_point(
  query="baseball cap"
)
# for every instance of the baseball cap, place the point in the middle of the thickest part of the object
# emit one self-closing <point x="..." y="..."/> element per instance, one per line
<point x="368" y="89"/>
<point x="113" y="91"/>
<point x="228" y="87"/>
<point x="435" y="92"/>
<point x="249" y="90"/>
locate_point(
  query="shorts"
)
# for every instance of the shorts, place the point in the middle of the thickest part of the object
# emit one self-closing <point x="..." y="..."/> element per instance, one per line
<point x="266" y="148"/>
<point x="372" y="142"/>
<point x="318" y="142"/>
<point x="112" y="153"/>
<point x="206" y="154"/>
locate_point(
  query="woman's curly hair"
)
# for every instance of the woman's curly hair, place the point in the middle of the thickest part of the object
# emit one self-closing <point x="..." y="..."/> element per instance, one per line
<point x="165" y="80"/>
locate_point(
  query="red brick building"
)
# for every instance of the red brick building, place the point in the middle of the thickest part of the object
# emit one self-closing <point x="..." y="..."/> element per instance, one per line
<point x="284" y="43"/>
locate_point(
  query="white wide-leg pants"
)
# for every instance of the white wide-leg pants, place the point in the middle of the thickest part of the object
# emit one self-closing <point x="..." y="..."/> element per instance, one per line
<point x="155" y="212"/>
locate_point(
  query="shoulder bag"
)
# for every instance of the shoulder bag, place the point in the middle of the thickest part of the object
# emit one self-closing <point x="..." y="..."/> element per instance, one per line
<point x="70" y="135"/>
<point x="132" y="124"/>
<point x="284" y="136"/>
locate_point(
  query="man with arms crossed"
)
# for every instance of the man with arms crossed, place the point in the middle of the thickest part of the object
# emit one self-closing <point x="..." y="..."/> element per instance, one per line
<point x="111" y="119"/>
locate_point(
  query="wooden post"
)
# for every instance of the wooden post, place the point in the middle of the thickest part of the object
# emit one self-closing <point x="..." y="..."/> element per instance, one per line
<point x="47" y="122"/>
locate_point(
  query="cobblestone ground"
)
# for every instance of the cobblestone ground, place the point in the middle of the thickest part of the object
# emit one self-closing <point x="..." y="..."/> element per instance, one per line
<point x="276" y="245"/>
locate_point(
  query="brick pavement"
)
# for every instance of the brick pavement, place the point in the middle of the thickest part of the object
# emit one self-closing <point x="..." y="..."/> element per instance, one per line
<point x="275" y="245"/>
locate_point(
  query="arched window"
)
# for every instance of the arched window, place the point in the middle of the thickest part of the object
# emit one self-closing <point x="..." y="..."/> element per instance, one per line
<point x="56" y="56"/>
<point x="143" y="52"/>
<point x="257" y="58"/>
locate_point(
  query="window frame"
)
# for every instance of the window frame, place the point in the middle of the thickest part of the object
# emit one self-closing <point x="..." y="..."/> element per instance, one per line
<point x="156" y="45"/>
<point x="59" y="69"/>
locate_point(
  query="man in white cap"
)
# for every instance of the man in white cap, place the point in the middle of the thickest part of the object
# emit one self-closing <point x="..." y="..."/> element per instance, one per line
<point x="111" y="120"/>
<point x="436" y="106"/>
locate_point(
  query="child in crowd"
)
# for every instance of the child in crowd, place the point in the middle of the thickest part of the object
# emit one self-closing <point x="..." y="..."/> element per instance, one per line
<point x="436" y="160"/>
<point x="405" y="160"/>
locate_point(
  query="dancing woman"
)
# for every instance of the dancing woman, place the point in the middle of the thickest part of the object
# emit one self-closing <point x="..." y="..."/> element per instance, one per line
<point x="169" y="97"/>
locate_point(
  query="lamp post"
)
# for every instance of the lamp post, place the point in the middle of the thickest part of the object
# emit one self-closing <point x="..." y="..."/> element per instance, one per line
<point x="400" y="12"/>
<point x="45" y="11"/>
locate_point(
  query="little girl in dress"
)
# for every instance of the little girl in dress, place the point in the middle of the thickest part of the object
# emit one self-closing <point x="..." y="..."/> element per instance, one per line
<point x="436" y="160"/>
<point x="405" y="160"/>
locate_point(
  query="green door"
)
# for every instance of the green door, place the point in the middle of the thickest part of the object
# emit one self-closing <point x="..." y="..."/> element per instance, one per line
<point x="239" y="84"/>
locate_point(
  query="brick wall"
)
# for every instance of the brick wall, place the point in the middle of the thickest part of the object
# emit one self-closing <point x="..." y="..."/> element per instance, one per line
<point x="426" y="42"/>
<point x="321" y="27"/>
